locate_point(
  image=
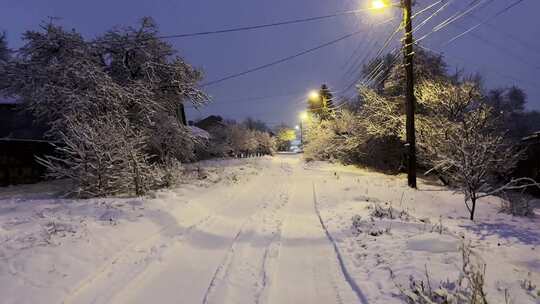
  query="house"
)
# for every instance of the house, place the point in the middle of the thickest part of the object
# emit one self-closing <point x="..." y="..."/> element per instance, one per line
<point x="21" y="140"/>
<point x="215" y="126"/>
<point x="199" y="133"/>
<point x="210" y="123"/>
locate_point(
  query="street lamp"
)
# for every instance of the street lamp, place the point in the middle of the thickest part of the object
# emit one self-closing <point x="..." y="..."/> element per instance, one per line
<point x="409" y="89"/>
<point x="314" y="95"/>
<point x="303" y="116"/>
<point x="378" y="4"/>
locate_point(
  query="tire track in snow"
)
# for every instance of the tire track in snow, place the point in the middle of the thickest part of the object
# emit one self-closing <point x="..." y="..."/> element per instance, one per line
<point x="227" y="266"/>
<point x="241" y="252"/>
<point x="271" y="256"/>
<point x="149" y="243"/>
<point x="352" y="283"/>
<point x="107" y="268"/>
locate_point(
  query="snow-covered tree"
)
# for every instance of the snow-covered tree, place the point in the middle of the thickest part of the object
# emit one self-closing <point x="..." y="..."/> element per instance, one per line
<point x="284" y="136"/>
<point x="5" y="56"/>
<point x="461" y="139"/>
<point x="245" y="142"/>
<point x="5" y="53"/>
<point x="124" y="87"/>
<point x="169" y="140"/>
<point x="132" y="54"/>
<point x="341" y="138"/>
<point x="265" y="143"/>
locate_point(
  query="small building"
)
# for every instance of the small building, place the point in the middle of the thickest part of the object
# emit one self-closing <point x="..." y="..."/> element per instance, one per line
<point x="210" y="123"/>
<point x="21" y="140"/>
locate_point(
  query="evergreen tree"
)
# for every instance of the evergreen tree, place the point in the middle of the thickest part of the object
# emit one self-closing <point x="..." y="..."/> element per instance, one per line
<point x="321" y="105"/>
<point x="4" y="58"/>
<point x="327" y="104"/>
<point x="4" y="50"/>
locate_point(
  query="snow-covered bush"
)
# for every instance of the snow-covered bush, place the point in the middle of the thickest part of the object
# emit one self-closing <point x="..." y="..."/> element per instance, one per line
<point x="387" y="211"/>
<point x="169" y="140"/>
<point x="238" y="138"/>
<point x="468" y="288"/>
<point x="265" y="143"/>
<point x="101" y="156"/>
<point x="517" y="203"/>
<point x="320" y="141"/>
<point x="354" y="138"/>
<point x="339" y="138"/>
<point x="242" y="141"/>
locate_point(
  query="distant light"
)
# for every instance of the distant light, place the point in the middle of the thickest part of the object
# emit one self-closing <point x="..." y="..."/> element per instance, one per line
<point x="378" y="4"/>
<point x="313" y="95"/>
<point x="304" y="116"/>
<point x="297" y="127"/>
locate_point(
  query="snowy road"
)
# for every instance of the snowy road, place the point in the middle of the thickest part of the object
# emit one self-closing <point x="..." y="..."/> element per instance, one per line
<point x="261" y="230"/>
<point x="259" y="242"/>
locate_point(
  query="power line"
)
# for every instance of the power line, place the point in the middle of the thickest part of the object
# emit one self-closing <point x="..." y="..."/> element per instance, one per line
<point x="440" y="9"/>
<point x="472" y="6"/>
<point x="260" y="26"/>
<point x="453" y="19"/>
<point x="505" y="51"/>
<point x="483" y="66"/>
<point x="376" y="71"/>
<point x="464" y="12"/>
<point x="506" y="9"/>
<point x="349" y="86"/>
<point x="264" y="66"/>
<point x="527" y="45"/>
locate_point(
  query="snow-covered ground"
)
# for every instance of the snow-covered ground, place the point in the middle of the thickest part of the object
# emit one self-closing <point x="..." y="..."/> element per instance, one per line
<point x="265" y="230"/>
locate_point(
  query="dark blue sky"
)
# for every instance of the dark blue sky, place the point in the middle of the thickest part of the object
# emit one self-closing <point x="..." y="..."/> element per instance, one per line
<point x="506" y="51"/>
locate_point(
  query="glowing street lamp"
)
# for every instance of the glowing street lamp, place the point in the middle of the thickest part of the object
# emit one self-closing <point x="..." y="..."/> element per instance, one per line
<point x="313" y="95"/>
<point x="303" y="116"/>
<point x="378" y="4"/>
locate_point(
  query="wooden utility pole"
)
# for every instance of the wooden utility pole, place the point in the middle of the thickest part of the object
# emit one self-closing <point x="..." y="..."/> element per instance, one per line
<point x="409" y="93"/>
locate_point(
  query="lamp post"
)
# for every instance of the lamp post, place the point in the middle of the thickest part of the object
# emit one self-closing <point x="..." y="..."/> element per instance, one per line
<point x="409" y="87"/>
<point x="303" y="116"/>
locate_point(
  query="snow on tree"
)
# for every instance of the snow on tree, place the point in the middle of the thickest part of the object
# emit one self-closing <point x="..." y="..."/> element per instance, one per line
<point x="460" y="137"/>
<point x="381" y="116"/>
<point x="284" y="136"/>
<point x="321" y="105"/>
<point x="138" y="55"/>
<point x="242" y="141"/>
<point x="105" y="157"/>
<point x="342" y="138"/>
<point x="169" y="140"/>
<point x="124" y="87"/>
<point x="265" y="143"/>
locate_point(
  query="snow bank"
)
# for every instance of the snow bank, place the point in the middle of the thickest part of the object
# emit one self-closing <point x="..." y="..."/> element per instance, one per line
<point x="433" y="243"/>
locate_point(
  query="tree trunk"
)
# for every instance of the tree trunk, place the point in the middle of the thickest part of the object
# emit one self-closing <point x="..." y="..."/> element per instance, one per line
<point x="473" y="207"/>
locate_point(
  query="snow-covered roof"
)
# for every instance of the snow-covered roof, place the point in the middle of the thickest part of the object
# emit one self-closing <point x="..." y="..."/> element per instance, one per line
<point x="198" y="132"/>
